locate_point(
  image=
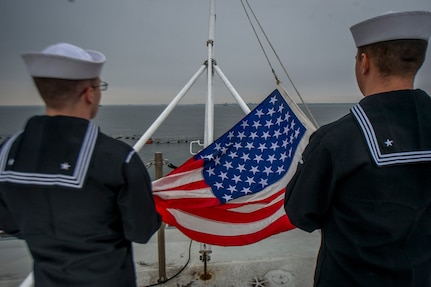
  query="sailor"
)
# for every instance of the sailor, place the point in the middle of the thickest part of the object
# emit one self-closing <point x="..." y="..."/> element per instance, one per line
<point x="365" y="178"/>
<point x="76" y="196"/>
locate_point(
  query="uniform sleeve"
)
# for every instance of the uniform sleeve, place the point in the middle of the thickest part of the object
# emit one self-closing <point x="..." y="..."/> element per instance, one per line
<point x="310" y="191"/>
<point x="136" y="203"/>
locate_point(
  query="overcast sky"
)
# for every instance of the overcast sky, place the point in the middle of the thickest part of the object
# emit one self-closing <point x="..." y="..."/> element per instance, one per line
<point x="153" y="47"/>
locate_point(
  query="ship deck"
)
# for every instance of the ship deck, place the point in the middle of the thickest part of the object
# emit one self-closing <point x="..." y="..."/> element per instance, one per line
<point x="283" y="260"/>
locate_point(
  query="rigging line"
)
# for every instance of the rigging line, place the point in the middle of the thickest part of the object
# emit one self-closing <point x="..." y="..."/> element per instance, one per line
<point x="176" y="274"/>
<point x="260" y="43"/>
<point x="278" y="58"/>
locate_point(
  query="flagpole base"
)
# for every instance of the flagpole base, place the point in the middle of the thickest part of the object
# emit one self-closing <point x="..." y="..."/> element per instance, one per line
<point x="205" y="250"/>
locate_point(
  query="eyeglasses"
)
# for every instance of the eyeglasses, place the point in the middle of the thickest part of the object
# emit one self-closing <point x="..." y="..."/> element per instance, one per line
<point x="103" y="86"/>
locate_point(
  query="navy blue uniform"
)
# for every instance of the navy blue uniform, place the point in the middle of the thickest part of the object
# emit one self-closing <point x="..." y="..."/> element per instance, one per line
<point x="78" y="198"/>
<point x="365" y="181"/>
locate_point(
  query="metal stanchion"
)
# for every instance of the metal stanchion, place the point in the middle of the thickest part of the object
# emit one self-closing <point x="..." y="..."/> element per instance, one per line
<point x="162" y="261"/>
<point x="205" y="250"/>
<point x="158" y="161"/>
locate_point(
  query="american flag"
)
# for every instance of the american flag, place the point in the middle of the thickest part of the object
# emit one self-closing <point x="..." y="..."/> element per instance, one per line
<point x="232" y="192"/>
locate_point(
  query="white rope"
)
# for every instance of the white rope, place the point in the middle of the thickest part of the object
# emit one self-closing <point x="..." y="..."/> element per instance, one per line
<point x="276" y="55"/>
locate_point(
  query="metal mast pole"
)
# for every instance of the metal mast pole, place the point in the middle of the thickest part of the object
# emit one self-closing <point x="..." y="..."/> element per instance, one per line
<point x="211" y="67"/>
<point x="209" y="108"/>
<point x="205" y="249"/>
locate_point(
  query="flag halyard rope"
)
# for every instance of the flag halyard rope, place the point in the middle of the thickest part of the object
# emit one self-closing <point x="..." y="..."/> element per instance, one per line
<point x="276" y="55"/>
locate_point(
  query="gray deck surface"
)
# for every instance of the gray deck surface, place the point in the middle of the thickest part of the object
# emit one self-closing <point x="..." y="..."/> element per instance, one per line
<point x="286" y="260"/>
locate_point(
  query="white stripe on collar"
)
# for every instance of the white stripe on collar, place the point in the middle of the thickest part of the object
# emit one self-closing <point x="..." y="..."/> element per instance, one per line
<point x="73" y="181"/>
<point x="390" y="158"/>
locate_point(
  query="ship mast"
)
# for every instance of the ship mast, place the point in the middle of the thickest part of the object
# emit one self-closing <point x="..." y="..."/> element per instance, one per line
<point x="211" y="67"/>
<point x="209" y="108"/>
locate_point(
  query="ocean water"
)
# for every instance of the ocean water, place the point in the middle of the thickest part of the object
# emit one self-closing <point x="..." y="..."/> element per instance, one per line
<point x="173" y="137"/>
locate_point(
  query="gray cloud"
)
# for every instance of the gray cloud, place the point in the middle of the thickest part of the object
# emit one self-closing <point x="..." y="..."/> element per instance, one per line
<point x="154" y="47"/>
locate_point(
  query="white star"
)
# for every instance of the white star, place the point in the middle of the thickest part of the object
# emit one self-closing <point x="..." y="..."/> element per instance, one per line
<point x="266" y="135"/>
<point x="269" y="124"/>
<point x="283" y="156"/>
<point x="256" y="124"/>
<point x="253" y="135"/>
<point x="241" y="135"/>
<point x="227" y="197"/>
<point x="263" y="182"/>
<point x="292" y="138"/>
<point x="223" y="175"/>
<point x="232" y="188"/>
<point x="210" y="171"/>
<point x="290" y="153"/>
<point x="217" y="146"/>
<point x="249" y="146"/>
<point x="228" y="165"/>
<point x="297" y="132"/>
<point x="279" y="120"/>
<point x="258" y="158"/>
<point x="280" y="169"/>
<point x="246" y="190"/>
<point x="236" y="178"/>
<point x="277" y="133"/>
<point x="254" y="169"/>
<point x="267" y="170"/>
<point x="259" y="113"/>
<point x="218" y="185"/>
<point x="262" y="147"/>
<point x="274" y="146"/>
<point x="250" y="180"/>
<point x="237" y="145"/>
<point x="389" y="142"/>
<point x="244" y="124"/>
<point x="11" y="161"/>
<point x="231" y="135"/>
<point x="273" y="100"/>
<point x="65" y="166"/>
<point x="271" y="111"/>
<point x="232" y="155"/>
<point x="245" y="157"/>
<point x="217" y="161"/>
<point x="224" y="150"/>
<point x="271" y="158"/>
<point x="208" y="157"/>
<point x="241" y="167"/>
<point x="281" y="108"/>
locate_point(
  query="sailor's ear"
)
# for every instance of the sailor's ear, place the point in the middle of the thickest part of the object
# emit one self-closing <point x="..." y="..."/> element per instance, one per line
<point x="89" y="95"/>
<point x="364" y="63"/>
